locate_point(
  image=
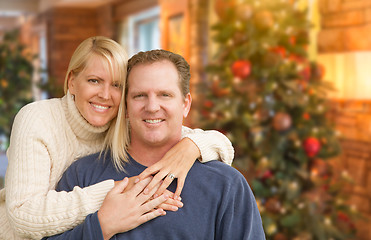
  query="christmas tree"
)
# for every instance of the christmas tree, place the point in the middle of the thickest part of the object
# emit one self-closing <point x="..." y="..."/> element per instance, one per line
<point x="16" y="71"/>
<point x="270" y="100"/>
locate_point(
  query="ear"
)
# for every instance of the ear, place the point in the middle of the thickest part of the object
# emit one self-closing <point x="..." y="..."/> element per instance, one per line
<point x="187" y="105"/>
<point x="71" y="83"/>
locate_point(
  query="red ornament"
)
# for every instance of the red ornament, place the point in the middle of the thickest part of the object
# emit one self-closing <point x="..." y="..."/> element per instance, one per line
<point x="311" y="146"/>
<point x="306" y="116"/>
<point x="281" y="51"/>
<point x="292" y="40"/>
<point x="208" y="104"/>
<point x="306" y="73"/>
<point x="241" y="68"/>
<point x="266" y="175"/>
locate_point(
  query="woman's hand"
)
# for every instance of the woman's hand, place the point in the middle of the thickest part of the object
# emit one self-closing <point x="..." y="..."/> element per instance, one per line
<point x="176" y="162"/>
<point x="169" y="205"/>
<point x="123" y="211"/>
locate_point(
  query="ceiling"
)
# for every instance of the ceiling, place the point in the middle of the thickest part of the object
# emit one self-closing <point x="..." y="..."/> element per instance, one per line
<point x="14" y="12"/>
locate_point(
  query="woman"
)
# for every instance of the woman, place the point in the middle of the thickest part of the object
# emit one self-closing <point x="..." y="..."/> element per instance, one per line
<point x="49" y="135"/>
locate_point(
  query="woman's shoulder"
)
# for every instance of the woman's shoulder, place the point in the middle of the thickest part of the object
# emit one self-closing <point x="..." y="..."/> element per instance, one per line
<point x="41" y="108"/>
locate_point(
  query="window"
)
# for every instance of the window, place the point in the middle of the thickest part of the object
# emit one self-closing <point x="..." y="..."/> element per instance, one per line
<point x="141" y="32"/>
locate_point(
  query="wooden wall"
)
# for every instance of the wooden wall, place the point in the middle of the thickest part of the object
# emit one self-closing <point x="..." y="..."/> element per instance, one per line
<point x="346" y="28"/>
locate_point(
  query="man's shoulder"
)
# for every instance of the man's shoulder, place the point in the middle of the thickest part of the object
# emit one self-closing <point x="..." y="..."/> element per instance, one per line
<point x="89" y="162"/>
<point x="218" y="170"/>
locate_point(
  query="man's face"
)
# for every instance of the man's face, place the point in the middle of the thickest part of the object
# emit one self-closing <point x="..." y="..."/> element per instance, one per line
<point x="155" y="104"/>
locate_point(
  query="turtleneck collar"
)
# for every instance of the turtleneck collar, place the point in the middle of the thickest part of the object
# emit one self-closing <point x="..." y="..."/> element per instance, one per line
<point x="82" y="128"/>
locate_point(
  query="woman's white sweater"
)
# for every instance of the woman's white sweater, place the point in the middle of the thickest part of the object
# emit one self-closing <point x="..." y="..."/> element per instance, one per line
<point x="47" y="137"/>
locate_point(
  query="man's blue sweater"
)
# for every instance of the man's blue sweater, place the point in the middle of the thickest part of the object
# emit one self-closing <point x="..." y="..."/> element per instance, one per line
<point x="218" y="203"/>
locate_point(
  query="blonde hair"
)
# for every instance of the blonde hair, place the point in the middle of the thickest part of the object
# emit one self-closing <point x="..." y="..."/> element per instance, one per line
<point x="117" y="137"/>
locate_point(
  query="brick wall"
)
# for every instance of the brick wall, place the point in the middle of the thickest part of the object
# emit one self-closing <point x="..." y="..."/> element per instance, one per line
<point x="66" y="29"/>
<point x="353" y="121"/>
<point x="345" y="25"/>
<point x="346" y="28"/>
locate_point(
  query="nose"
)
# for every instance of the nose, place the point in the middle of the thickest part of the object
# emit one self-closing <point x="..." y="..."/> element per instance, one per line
<point x="152" y="104"/>
<point x="104" y="92"/>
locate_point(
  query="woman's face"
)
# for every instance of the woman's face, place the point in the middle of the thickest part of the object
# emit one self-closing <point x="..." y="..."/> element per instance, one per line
<point x="97" y="95"/>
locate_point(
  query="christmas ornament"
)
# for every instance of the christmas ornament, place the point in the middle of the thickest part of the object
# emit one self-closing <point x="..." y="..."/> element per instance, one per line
<point x="244" y="11"/>
<point x="292" y="40"/>
<point x="318" y="167"/>
<point x="222" y="7"/>
<point x="311" y="146"/>
<point x="305" y="73"/>
<point x="273" y="205"/>
<point x="241" y="68"/>
<point x="280" y="236"/>
<point x="279" y="50"/>
<point x="344" y="222"/>
<point x="264" y="19"/>
<point x="219" y="91"/>
<point x="306" y="116"/>
<point x="4" y="83"/>
<point x="266" y="175"/>
<point x="208" y="104"/>
<point x="282" y="121"/>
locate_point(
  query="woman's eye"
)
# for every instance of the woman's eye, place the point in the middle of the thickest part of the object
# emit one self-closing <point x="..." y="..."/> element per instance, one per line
<point x="117" y="85"/>
<point x="93" y="80"/>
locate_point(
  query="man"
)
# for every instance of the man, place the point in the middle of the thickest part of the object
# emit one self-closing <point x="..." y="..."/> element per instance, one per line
<point x="218" y="203"/>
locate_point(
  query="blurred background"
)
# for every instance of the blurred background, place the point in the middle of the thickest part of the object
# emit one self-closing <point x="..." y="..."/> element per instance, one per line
<point x="288" y="81"/>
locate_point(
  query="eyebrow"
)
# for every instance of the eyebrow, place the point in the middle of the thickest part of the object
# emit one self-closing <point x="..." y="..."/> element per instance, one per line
<point x="95" y="76"/>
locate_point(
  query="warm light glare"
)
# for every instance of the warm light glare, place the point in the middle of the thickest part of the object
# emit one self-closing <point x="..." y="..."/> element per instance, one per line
<point x="350" y="74"/>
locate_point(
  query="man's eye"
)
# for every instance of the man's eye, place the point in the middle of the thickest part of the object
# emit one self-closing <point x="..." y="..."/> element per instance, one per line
<point x="139" y="96"/>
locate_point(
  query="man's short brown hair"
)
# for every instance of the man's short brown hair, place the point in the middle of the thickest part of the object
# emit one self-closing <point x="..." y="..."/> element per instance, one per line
<point x="152" y="56"/>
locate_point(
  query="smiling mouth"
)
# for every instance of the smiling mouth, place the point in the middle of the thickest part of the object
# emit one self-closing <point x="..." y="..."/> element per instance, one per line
<point x="153" y="121"/>
<point x="100" y="107"/>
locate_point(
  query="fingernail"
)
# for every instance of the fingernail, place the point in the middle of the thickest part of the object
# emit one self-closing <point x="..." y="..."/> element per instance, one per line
<point x="165" y="195"/>
<point x="136" y="180"/>
<point x="174" y="208"/>
<point x="180" y="204"/>
<point x="146" y="191"/>
<point x="155" y="195"/>
<point x="179" y="198"/>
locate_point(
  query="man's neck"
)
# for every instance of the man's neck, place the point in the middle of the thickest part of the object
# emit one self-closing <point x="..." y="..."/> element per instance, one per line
<point x="148" y="155"/>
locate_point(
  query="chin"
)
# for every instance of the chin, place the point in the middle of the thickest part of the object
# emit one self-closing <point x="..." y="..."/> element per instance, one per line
<point x="98" y="123"/>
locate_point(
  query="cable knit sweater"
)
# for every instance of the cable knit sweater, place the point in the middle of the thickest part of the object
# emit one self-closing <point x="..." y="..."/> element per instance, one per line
<point x="47" y="137"/>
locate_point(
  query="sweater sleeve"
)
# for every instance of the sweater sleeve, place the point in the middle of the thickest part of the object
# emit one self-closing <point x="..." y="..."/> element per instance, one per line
<point x="213" y="145"/>
<point x="35" y="210"/>
<point x="89" y="229"/>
